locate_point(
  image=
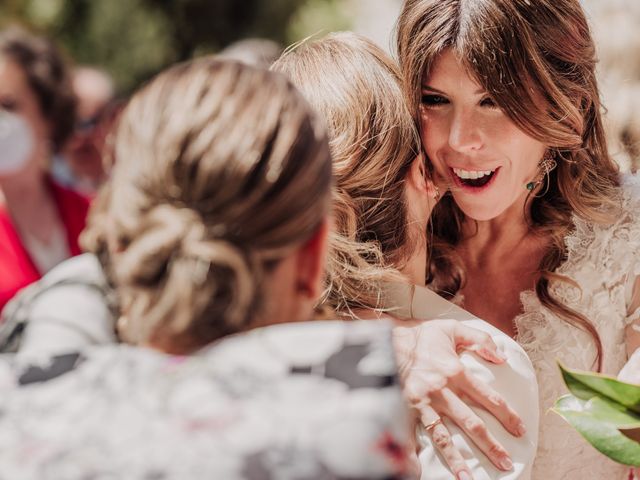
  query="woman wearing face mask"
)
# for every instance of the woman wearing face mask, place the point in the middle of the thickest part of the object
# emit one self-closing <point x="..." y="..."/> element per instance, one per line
<point x="542" y="233"/>
<point x="39" y="220"/>
<point x="377" y="263"/>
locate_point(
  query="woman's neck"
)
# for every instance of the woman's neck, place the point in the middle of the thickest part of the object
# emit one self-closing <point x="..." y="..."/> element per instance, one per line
<point x="29" y="201"/>
<point x="24" y="191"/>
<point x="415" y="266"/>
<point x="502" y="233"/>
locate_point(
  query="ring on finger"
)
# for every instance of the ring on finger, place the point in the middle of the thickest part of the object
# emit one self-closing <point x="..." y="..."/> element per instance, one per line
<point x="432" y="425"/>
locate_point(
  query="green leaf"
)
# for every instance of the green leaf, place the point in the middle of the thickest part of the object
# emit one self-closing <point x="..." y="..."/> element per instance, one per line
<point x="598" y="420"/>
<point x="586" y="385"/>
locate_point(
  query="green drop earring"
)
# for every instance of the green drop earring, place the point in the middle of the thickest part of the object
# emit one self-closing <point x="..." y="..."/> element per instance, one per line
<point x="546" y="165"/>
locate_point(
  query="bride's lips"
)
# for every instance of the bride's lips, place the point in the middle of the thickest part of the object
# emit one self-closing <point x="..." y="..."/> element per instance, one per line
<point x="470" y="188"/>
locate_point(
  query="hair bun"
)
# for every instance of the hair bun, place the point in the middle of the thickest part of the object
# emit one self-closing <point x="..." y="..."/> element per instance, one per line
<point x="173" y="253"/>
<point x="164" y="234"/>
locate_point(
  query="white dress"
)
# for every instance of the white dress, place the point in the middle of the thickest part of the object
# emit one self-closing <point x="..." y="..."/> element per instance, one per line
<point x="604" y="261"/>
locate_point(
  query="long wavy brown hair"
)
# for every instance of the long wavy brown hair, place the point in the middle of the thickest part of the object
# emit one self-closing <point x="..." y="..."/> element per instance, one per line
<point x="356" y="88"/>
<point x="537" y="61"/>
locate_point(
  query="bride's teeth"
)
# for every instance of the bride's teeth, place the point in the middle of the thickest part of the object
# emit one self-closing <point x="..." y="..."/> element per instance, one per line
<point x="471" y="174"/>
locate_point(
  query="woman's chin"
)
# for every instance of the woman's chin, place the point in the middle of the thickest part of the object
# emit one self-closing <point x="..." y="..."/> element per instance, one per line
<point x="478" y="211"/>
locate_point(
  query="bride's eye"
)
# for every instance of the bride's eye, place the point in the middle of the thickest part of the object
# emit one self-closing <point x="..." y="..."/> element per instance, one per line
<point x="488" y="102"/>
<point x="432" y="100"/>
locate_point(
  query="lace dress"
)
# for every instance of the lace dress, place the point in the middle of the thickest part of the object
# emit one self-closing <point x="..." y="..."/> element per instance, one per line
<point x="604" y="261"/>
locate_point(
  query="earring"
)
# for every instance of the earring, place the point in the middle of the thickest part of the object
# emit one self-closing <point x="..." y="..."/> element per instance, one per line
<point x="436" y="195"/>
<point x="546" y="165"/>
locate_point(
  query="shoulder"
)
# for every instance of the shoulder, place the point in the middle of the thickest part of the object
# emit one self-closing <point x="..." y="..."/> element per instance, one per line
<point x="630" y="190"/>
<point x="123" y="386"/>
<point x="604" y="254"/>
<point x="627" y="223"/>
<point x="72" y="299"/>
<point x="83" y="268"/>
<point x="626" y="217"/>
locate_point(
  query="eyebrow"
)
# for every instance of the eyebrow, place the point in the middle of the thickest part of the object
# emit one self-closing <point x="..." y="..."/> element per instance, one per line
<point x="435" y="90"/>
<point x="479" y="91"/>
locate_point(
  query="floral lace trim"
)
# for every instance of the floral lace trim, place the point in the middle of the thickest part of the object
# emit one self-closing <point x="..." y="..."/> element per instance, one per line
<point x="580" y="243"/>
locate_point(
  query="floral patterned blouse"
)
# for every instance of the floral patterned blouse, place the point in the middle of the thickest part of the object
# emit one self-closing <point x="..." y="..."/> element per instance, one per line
<point x="316" y="400"/>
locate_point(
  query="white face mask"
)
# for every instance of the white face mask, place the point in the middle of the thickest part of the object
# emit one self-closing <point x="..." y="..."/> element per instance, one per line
<point x="16" y="143"/>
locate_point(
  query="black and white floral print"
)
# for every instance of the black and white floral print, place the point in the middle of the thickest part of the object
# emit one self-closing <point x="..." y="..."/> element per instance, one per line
<point x="316" y="400"/>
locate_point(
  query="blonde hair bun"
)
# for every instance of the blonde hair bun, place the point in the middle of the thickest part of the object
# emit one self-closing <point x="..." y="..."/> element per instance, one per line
<point x="221" y="169"/>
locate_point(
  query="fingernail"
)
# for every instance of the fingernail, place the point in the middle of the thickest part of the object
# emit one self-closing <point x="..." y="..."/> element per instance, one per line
<point x="491" y="355"/>
<point x="464" y="476"/>
<point x="505" y="463"/>
<point x="521" y="429"/>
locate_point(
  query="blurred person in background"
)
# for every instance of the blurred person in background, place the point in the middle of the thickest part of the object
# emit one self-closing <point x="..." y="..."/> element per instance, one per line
<point x="81" y="166"/>
<point x="39" y="220"/>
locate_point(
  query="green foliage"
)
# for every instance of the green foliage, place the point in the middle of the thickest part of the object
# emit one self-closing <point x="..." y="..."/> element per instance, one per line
<point x="605" y="412"/>
<point x="133" y="39"/>
<point x="319" y="17"/>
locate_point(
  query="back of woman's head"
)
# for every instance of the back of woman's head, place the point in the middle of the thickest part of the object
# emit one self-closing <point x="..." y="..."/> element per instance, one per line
<point x="47" y="76"/>
<point x="355" y="86"/>
<point x="220" y="171"/>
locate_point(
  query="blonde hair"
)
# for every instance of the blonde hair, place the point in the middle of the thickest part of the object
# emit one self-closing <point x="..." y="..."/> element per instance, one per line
<point x="537" y="61"/>
<point x="356" y="88"/>
<point x="221" y="169"/>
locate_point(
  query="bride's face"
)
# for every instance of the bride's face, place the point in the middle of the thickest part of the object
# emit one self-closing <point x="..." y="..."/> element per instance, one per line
<point x="486" y="158"/>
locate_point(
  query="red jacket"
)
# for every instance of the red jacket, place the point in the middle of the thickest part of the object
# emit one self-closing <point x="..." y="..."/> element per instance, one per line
<point x="17" y="269"/>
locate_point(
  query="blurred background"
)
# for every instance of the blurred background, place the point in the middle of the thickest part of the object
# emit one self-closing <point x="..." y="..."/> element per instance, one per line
<point x="133" y="39"/>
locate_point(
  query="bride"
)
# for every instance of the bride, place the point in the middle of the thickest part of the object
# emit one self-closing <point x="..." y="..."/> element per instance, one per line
<point x="541" y="233"/>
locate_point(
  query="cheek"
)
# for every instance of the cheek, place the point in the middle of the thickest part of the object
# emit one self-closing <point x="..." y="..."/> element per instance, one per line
<point x="31" y="112"/>
<point x="37" y="123"/>
<point x="433" y="136"/>
<point x="524" y="150"/>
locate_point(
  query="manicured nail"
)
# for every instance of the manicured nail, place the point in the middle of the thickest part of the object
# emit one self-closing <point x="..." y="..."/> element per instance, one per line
<point x="521" y="429"/>
<point x="464" y="476"/>
<point x="506" y="464"/>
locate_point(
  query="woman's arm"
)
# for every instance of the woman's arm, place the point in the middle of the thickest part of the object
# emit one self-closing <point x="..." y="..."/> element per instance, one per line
<point x="458" y="380"/>
<point x="439" y="384"/>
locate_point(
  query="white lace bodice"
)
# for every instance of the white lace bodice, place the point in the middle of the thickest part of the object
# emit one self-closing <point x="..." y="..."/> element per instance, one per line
<point x="604" y="261"/>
